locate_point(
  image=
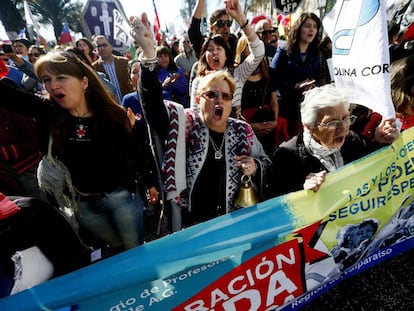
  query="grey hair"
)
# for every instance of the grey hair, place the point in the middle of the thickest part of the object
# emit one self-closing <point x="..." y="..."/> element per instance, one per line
<point x="319" y="98"/>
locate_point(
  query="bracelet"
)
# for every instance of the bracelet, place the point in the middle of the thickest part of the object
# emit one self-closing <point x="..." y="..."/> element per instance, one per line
<point x="150" y="63"/>
<point x="148" y="60"/>
<point x="245" y="24"/>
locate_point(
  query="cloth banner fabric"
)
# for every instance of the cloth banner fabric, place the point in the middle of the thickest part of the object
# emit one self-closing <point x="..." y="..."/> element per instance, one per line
<point x="277" y="255"/>
<point x="360" y="55"/>
<point x="30" y="19"/>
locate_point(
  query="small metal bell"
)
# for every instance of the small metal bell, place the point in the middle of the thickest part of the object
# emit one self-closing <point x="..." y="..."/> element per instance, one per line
<point x="246" y="196"/>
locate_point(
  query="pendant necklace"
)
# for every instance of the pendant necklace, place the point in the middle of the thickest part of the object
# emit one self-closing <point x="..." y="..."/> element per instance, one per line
<point x="218" y="153"/>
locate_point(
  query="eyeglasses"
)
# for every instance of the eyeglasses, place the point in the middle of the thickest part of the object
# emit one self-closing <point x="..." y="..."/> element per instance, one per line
<point x="336" y="124"/>
<point x="220" y="23"/>
<point x="210" y="95"/>
<point x="267" y="32"/>
<point x="34" y="54"/>
<point x="103" y="45"/>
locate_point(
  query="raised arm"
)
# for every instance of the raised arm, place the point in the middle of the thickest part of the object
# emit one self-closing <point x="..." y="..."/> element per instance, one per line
<point x="149" y="87"/>
<point x="194" y="31"/>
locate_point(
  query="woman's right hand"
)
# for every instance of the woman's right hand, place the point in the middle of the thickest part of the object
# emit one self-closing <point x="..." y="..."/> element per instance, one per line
<point x="314" y="181"/>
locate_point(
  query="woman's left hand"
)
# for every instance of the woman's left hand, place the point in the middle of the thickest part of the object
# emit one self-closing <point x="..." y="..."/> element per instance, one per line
<point x="247" y="164"/>
<point x="131" y="116"/>
<point x="387" y="131"/>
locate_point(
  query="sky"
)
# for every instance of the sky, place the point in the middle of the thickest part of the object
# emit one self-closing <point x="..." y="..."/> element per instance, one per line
<point x="168" y="13"/>
<point x="168" y="10"/>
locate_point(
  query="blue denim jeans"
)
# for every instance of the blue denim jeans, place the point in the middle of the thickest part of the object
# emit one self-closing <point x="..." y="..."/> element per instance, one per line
<point x="115" y="218"/>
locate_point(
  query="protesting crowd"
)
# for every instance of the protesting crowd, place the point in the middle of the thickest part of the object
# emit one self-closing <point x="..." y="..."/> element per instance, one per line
<point x="124" y="149"/>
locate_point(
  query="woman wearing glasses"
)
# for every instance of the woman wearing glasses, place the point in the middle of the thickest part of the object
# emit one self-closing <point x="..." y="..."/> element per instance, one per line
<point x="325" y="143"/>
<point x="206" y="152"/>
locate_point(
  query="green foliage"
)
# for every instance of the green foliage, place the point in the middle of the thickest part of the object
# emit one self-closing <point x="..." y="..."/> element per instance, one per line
<point x="10" y="16"/>
<point x="52" y="12"/>
<point x="55" y="12"/>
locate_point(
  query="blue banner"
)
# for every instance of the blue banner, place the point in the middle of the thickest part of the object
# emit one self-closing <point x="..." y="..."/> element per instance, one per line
<point x="279" y="254"/>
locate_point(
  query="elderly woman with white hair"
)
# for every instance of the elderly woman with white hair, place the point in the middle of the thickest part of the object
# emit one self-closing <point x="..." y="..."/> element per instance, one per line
<point x="325" y="142"/>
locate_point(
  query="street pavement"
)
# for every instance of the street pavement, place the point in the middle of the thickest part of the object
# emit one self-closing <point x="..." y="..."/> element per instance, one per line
<point x="386" y="286"/>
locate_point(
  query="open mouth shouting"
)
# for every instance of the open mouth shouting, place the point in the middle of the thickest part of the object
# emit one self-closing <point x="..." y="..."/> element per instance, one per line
<point x="218" y="112"/>
<point x="58" y="96"/>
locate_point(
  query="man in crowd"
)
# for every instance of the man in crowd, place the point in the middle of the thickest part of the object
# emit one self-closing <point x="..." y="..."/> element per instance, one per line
<point x="115" y="67"/>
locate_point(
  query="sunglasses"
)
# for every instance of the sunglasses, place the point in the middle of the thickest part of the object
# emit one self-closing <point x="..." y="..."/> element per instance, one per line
<point x="273" y="41"/>
<point x="267" y="32"/>
<point x="103" y="45"/>
<point x="210" y="95"/>
<point x="220" y="23"/>
<point x="34" y="54"/>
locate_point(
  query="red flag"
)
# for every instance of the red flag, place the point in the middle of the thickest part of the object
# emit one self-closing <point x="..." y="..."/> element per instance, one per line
<point x="65" y="36"/>
<point x="157" y="25"/>
<point x="3" y="69"/>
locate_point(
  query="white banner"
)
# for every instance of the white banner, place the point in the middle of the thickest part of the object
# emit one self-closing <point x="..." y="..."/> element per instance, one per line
<point x="360" y="56"/>
<point x="121" y="28"/>
<point x="30" y="19"/>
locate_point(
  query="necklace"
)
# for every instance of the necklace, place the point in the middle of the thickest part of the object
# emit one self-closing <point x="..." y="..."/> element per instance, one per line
<point x="218" y="153"/>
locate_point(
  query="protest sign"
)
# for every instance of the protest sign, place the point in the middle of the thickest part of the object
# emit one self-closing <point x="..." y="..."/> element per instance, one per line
<point x="287" y="7"/>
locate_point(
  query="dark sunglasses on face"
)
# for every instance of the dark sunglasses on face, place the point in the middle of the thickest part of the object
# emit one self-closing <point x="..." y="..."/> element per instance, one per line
<point x="220" y="23"/>
<point x="103" y="45"/>
<point x="34" y="54"/>
<point x="267" y="32"/>
<point x="210" y="95"/>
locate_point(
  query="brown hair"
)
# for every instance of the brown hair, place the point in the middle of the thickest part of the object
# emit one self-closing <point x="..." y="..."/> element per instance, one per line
<point x="293" y="42"/>
<point x="218" y="39"/>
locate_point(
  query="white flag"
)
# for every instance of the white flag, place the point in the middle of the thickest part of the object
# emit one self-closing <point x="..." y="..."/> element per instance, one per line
<point x="121" y="28"/>
<point x="360" y="55"/>
<point x="30" y="19"/>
